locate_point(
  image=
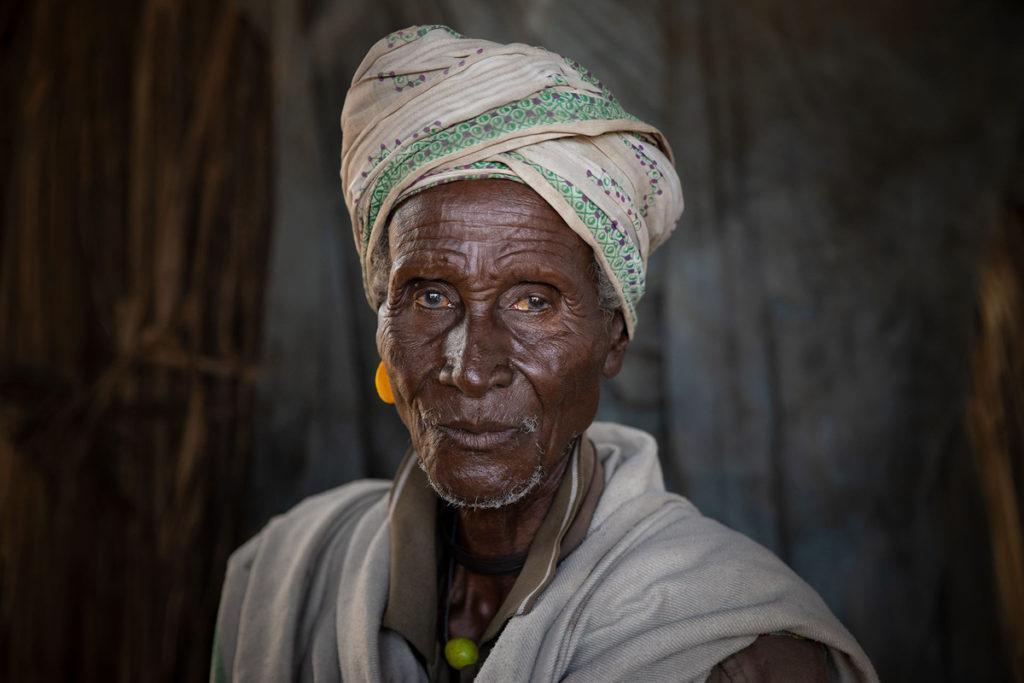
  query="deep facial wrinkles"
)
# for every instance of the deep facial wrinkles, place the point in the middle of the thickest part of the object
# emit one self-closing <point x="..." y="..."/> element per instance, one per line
<point x="493" y="393"/>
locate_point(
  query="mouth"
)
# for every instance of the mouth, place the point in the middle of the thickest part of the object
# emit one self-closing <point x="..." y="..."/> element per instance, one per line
<point x="478" y="436"/>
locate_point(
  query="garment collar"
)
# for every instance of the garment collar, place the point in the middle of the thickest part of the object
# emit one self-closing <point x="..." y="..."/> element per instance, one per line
<point x="413" y="585"/>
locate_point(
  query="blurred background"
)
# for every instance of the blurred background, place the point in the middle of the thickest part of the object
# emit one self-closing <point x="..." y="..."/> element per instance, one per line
<point x="830" y="352"/>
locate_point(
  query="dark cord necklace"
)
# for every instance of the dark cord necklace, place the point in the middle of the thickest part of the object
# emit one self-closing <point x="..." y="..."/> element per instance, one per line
<point x="460" y="651"/>
<point x="483" y="564"/>
<point x="490" y="564"/>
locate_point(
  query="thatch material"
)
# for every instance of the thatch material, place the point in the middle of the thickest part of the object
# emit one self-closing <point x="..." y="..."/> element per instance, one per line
<point x="133" y="249"/>
<point x="996" y="414"/>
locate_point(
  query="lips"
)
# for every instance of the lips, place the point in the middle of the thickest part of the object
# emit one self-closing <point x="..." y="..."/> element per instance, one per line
<point x="478" y="436"/>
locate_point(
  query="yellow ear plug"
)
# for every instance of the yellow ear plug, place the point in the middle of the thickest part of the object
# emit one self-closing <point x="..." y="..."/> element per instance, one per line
<point x="383" y="384"/>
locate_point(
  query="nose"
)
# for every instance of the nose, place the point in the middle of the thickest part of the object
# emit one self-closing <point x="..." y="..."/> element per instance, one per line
<point x="476" y="357"/>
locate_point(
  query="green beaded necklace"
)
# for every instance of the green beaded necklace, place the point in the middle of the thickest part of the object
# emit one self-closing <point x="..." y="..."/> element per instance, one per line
<point x="460" y="651"/>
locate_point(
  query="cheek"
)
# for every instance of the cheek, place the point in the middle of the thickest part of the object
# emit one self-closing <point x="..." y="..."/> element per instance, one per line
<point x="565" y="370"/>
<point x="409" y="354"/>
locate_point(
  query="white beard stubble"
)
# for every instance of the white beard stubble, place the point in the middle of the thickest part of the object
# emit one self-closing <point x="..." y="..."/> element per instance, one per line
<point x="509" y="496"/>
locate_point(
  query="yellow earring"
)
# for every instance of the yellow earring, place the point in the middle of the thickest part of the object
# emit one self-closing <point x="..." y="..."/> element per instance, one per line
<point x="383" y="384"/>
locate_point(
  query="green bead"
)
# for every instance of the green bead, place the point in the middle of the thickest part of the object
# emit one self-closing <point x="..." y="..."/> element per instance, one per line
<point x="461" y="652"/>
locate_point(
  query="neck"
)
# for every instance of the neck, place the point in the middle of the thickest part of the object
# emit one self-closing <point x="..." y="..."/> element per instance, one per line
<point x="511" y="529"/>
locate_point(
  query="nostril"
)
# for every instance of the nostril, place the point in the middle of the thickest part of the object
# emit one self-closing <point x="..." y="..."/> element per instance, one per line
<point x="473" y="378"/>
<point x="503" y="375"/>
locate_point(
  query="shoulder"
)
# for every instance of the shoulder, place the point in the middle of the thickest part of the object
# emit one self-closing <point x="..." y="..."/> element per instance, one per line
<point x="661" y="539"/>
<point x="696" y="564"/>
<point x="715" y="590"/>
<point x="326" y="509"/>
<point x="701" y="572"/>
<point x="294" y="562"/>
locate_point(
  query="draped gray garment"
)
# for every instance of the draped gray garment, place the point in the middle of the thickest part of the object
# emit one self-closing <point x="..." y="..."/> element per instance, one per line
<point x="655" y="591"/>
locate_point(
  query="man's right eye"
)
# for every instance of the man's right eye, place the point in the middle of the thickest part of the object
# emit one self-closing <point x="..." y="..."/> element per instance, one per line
<point x="433" y="299"/>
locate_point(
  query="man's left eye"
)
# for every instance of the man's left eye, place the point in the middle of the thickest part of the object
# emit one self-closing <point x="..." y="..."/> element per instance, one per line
<point x="532" y="303"/>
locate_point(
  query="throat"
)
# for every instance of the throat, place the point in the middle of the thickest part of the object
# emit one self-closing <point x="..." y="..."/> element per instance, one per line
<point x="474" y="602"/>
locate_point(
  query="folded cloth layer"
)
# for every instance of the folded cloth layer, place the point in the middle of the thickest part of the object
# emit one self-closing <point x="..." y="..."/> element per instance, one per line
<point x="428" y="106"/>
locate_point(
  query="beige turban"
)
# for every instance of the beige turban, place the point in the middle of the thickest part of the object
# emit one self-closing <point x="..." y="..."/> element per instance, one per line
<point x="428" y="106"/>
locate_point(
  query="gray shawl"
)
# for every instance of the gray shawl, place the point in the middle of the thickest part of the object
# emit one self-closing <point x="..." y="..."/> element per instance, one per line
<point x="654" y="592"/>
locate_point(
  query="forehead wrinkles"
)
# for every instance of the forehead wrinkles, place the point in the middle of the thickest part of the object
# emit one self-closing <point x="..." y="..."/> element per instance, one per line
<point x="478" y="235"/>
<point x="478" y="225"/>
<point x="481" y="248"/>
<point x="478" y="202"/>
<point x="491" y="218"/>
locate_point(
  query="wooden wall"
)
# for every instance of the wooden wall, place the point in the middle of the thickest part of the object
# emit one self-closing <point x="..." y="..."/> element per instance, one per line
<point x="995" y="410"/>
<point x="136" y="213"/>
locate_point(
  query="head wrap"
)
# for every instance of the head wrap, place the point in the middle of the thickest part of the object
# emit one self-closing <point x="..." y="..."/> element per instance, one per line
<point x="427" y="106"/>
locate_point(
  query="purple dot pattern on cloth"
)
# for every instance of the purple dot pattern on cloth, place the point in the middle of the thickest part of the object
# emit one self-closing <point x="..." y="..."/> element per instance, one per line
<point x="513" y="118"/>
<point x="480" y="132"/>
<point x="615" y="245"/>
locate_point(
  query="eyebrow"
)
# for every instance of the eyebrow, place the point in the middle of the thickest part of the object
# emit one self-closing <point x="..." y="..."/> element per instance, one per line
<point x="531" y="252"/>
<point x="530" y="273"/>
<point x="523" y="273"/>
<point x="431" y="268"/>
<point x="431" y="257"/>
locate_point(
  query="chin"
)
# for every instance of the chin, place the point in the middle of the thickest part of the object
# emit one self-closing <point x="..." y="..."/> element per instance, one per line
<point x="482" y="479"/>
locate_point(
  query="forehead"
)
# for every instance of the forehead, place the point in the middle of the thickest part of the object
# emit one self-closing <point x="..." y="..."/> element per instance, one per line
<point x="497" y="216"/>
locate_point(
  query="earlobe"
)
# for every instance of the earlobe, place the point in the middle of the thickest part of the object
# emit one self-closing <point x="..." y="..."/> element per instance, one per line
<point x="617" y="349"/>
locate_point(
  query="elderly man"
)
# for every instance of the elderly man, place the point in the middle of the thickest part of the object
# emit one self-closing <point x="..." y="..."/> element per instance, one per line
<point x="504" y="206"/>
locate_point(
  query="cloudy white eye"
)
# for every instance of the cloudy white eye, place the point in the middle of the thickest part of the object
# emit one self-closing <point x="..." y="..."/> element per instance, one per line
<point x="433" y="299"/>
<point x="531" y="304"/>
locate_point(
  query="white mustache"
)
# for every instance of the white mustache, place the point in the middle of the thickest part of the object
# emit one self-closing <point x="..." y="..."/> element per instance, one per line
<point x="528" y="424"/>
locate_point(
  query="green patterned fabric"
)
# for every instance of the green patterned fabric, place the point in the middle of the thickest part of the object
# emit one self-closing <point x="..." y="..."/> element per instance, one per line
<point x="428" y="106"/>
<point x="621" y="254"/>
<point x="544" y="109"/>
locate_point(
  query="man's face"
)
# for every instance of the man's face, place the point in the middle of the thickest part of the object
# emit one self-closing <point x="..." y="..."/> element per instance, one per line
<point x="493" y="337"/>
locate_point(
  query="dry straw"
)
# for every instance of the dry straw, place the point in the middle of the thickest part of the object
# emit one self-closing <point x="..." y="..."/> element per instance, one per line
<point x="996" y="417"/>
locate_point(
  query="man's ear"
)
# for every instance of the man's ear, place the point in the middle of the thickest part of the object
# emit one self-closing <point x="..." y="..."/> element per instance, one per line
<point x="617" y="350"/>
